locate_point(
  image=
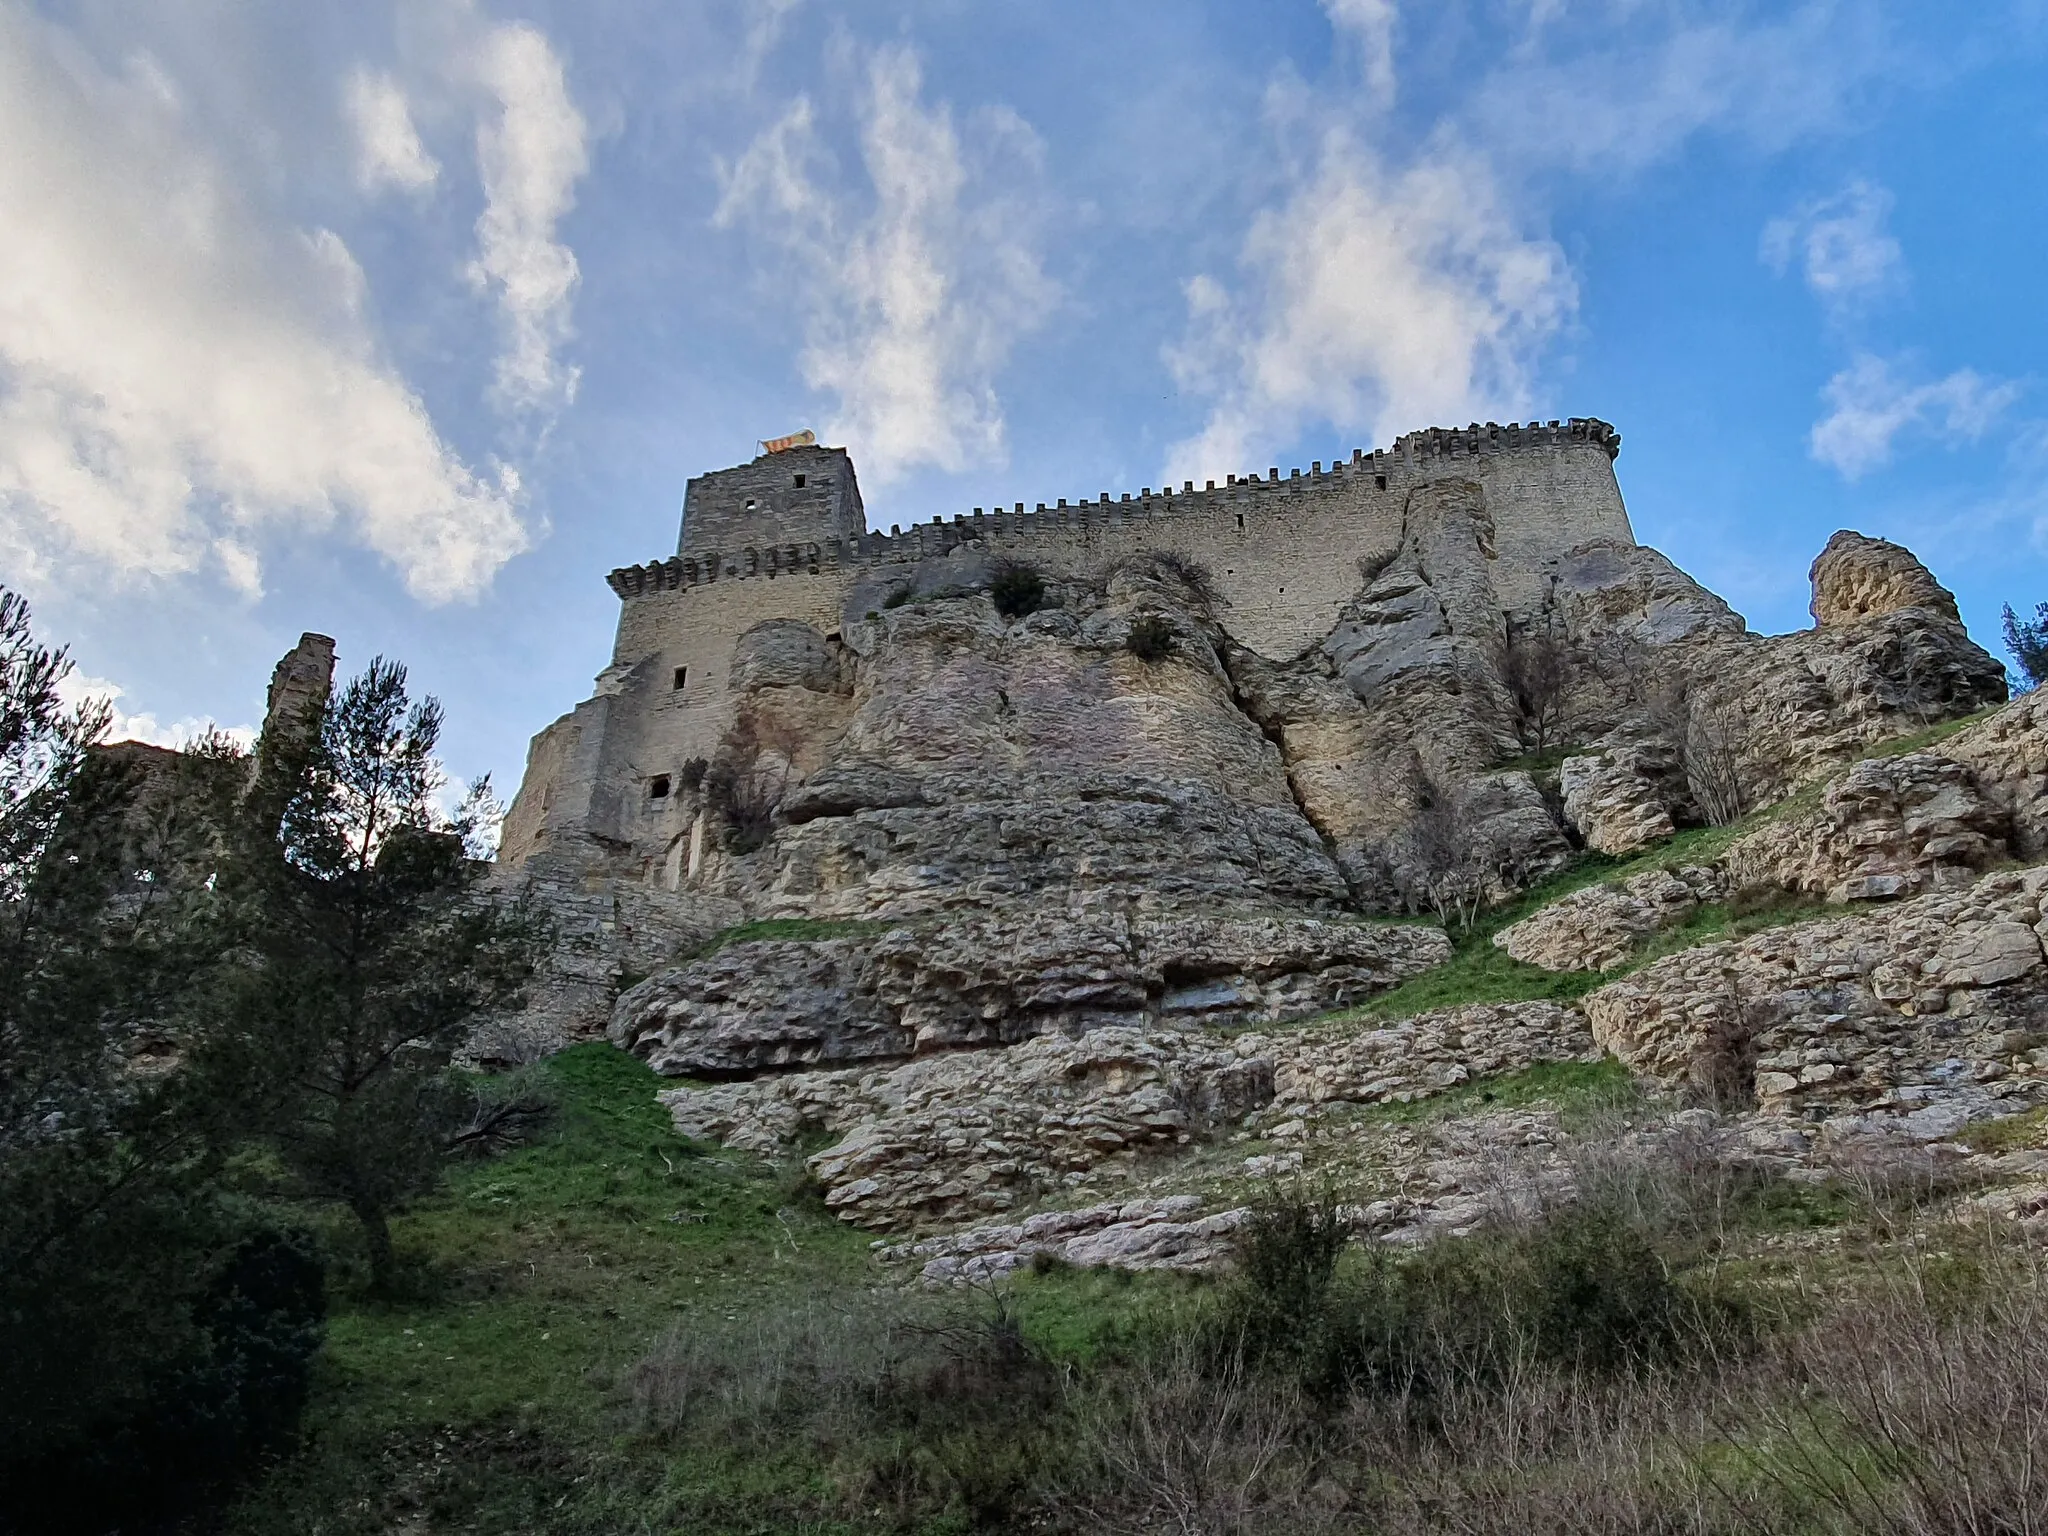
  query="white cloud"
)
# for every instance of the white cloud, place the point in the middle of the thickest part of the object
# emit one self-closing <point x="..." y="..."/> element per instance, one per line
<point x="76" y="688"/>
<point x="388" y="148"/>
<point x="176" y="374"/>
<point x="1370" y="23"/>
<point x="1841" y="245"/>
<point x="531" y="151"/>
<point x="915" y="300"/>
<point x="1376" y="299"/>
<point x="1870" y="404"/>
<point x="1629" y="83"/>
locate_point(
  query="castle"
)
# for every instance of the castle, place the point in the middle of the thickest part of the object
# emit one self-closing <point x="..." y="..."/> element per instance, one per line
<point x="785" y="537"/>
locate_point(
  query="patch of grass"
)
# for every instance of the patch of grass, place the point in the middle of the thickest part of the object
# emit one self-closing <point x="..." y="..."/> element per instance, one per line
<point x="2012" y="1133"/>
<point x="1477" y="973"/>
<point x="535" y="1279"/>
<point x="1577" y="1090"/>
<point x="800" y="930"/>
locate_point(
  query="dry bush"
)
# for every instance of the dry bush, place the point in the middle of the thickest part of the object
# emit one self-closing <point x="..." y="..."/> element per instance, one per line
<point x="1190" y="1448"/>
<point x="1539" y="669"/>
<point x="1016" y="588"/>
<point x="1920" y="1409"/>
<point x="1710" y="739"/>
<point x="1150" y="639"/>
<point x="748" y="777"/>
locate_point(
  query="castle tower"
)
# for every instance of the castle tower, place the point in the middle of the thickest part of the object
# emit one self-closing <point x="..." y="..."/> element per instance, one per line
<point x="802" y="495"/>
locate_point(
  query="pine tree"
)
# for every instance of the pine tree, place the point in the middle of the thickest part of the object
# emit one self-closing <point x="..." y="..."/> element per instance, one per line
<point x="137" y="1372"/>
<point x="2028" y="643"/>
<point x="366" y="951"/>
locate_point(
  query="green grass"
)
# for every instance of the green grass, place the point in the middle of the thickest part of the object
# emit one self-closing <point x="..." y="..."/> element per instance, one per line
<point x="534" y="1281"/>
<point x="799" y="930"/>
<point x="1577" y="1090"/>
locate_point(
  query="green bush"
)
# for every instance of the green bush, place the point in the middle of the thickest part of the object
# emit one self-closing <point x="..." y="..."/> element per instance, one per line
<point x="1150" y="639"/>
<point x="1017" y="589"/>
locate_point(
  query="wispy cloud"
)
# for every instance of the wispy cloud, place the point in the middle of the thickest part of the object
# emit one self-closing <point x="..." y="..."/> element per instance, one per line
<point x="1374" y="298"/>
<point x="915" y="290"/>
<point x="532" y="149"/>
<point x="388" y="148"/>
<point x="142" y="725"/>
<point x="1369" y="25"/>
<point x="1871" y="403"/>
<point x="1841" y="246"/>
<point x="177" y="373"/>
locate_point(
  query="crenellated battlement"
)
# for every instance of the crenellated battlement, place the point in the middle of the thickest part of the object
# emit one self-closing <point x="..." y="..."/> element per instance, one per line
<point x="1017" y="530"/>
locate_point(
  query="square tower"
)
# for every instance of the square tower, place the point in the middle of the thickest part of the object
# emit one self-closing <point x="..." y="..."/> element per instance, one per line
<point x="798" y="496"/>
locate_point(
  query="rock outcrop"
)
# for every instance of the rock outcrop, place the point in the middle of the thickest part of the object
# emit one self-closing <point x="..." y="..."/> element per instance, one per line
<point x="1598" y="927"/>
<point x="963" y="1135"/>
<point x="1888" y="1013"/>
<point x="988" y="981"/>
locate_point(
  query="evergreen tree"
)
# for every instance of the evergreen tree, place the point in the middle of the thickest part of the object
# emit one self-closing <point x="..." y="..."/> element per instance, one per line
<point x="2027" y="640"/>
<point x="151" y="1335"/>
<point x="365" y="951"/>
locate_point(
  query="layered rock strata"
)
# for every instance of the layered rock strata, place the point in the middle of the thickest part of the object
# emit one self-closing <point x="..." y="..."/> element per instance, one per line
<point x="989" y="981"/>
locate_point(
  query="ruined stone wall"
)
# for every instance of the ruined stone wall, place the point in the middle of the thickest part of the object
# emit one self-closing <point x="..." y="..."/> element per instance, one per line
<point x="1285" y="553"/>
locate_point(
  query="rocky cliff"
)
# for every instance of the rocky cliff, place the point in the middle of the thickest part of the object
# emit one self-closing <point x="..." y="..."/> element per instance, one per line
<point x="1042" y="888"/>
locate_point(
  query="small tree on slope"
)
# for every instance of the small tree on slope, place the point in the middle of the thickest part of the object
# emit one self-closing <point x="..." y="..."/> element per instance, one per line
<point x="365" y="950"/>
<point x="2028" y="643"/>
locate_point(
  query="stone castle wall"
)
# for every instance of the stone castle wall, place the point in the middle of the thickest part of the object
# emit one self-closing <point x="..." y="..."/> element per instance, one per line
<point x="1285" y="553"/>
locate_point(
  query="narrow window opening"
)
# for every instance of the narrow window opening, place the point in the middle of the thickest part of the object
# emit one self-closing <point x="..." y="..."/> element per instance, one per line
<point x="682" y="677"/>
<point x="1379" y="482"/>
<point x="1240" y="520"/>
<point x="750" y="503"/>
<point x="657" y="787"/>
<point x="799" y="482"/>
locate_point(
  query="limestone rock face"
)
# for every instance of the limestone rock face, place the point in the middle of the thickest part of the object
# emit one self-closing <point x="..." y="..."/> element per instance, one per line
<point x="961" y="1135"/>
<point x="785" y="653"/>
<point x="1629" y="590"/>
<point x="1599" y="926"/>
<point x="2007" y="755"/>
<point x="1885" y="1013"/>
<point x="1890" y="826"/>
<point x="986" y="761"/>
<point x="1621" y="799"/>
<point x="1856" y="579"/>
<point x="988" y="981"/>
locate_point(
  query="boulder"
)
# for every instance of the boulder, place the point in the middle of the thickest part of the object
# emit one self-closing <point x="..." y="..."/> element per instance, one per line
<point x="1889" y="827"/>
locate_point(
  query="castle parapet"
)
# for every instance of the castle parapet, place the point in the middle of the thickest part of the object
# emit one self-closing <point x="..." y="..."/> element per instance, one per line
<point x="848" y="544"/>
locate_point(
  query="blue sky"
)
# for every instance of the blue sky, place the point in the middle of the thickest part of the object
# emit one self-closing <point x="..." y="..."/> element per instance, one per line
<point x="407" y="323"/>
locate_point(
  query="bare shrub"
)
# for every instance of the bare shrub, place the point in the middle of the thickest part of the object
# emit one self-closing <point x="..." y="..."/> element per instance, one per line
<point x="1188" y="1448"/>
<point x="1539" y="668"/>
<point x="1448" y="868"/>
<point x="1710" y="739"/>
<point x="1921" y="1409"/>
<point x="747" y="779"/>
